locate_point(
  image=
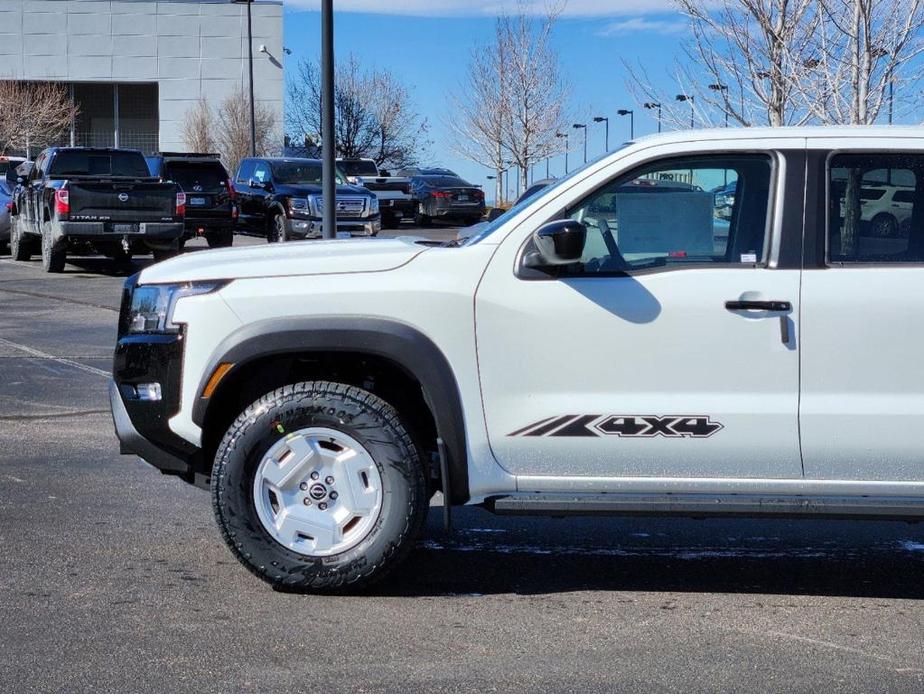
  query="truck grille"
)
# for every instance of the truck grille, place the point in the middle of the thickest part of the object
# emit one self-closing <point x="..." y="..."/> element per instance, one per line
<point x="350" y="207"/>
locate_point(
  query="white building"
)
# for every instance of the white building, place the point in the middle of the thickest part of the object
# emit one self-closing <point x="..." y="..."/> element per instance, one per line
<point x="135" y="67"/>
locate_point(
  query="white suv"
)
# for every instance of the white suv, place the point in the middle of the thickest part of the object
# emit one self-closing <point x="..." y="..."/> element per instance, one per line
<point x="592" y="351"/>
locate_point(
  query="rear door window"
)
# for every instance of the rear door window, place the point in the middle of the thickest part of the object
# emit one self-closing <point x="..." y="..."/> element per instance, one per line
<point x="884" y="228"/>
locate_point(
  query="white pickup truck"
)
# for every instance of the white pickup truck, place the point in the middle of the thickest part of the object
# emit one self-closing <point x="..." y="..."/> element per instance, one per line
<point x="594" y="351"/>
<point x="396" y="202"/>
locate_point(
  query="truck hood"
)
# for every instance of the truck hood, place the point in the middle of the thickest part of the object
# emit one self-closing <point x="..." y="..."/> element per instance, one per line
<point x="290" y="258"/>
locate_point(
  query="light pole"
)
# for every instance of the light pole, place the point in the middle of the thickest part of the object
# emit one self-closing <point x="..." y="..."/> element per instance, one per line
<point x="604" y="119"/>
<point x="564" y="135"/>
<point x="722" y="89"/>
<point x="579" y="126"/>
<point x="651" y="105"/>
<point x="547" y="167"/>
<point x="690" y="98"/>
<point x="253" y="118"/>
<point x="631" y="114"/>
<point x="329" y="140"/>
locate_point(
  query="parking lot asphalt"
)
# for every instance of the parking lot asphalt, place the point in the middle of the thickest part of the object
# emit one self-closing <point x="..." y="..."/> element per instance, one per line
<point x="113" y="578"/>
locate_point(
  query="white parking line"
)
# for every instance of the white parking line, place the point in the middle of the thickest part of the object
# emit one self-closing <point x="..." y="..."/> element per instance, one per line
<point x="59" y="360"/>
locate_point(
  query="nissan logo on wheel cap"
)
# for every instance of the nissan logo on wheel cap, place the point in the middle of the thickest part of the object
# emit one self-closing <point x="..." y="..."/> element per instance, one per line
<point x="123" y="197"/>
<point x="317" y="491"/>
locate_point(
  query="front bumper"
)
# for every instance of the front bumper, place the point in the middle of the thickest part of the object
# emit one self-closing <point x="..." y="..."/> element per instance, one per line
<point x="314" y="228"/>
<point x="142" y="426"/>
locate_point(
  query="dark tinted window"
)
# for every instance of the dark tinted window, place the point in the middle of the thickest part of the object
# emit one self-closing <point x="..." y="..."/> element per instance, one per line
<point x="667" y="215"/>
<point x="245" y="170"/>
<point x="886" y="228"/>
<point x="358" y="167"/>
<point x="83" y="163"/>
<point x="307" y="172"/>
<point x="871" y="193"/>
<point x="443" y="182"/>
<point x="197" y="177"/>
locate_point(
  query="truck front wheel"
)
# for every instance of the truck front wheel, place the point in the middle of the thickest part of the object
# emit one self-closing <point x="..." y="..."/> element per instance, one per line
<point x="319" y="487"/>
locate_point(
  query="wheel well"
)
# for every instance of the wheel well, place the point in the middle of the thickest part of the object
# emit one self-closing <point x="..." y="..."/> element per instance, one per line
<point x="379" y="375"/>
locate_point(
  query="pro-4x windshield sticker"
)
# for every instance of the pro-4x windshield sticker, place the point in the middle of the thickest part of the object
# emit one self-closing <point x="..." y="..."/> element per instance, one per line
<point x="624" y="426"/>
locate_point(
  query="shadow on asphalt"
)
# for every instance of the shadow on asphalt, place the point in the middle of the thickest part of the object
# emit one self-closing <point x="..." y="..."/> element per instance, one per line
<point x="541" y="556"/>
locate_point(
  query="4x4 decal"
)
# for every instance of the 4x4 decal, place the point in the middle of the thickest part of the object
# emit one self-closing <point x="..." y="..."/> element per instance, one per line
<point x="624" y="426"/>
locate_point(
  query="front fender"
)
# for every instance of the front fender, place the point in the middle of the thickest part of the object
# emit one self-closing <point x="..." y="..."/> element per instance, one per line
<point x="402" y="344"/>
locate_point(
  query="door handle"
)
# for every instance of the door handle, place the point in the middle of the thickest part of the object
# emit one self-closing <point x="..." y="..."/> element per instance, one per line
<point x="775" y="306"/>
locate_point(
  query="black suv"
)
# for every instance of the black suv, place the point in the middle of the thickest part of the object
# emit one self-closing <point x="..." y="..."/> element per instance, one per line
<point x="211" y="208"/>
<point x="281" y="199"/>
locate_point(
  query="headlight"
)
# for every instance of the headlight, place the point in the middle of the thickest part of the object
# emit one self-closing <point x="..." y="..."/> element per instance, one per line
<point x="298" y="206"/>
<point x="151" y="309"/>
<point x="374" y="205"/>
<point x="314" y="205"/>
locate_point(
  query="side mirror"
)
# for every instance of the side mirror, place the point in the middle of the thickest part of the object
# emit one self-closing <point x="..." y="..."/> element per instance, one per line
<point x="558" y="243"/>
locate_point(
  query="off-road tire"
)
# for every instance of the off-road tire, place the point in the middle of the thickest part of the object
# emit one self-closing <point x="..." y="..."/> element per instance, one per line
<point x="20" y="247"/>
<point x="54" y="253"/>
<point x="357" y="413"/>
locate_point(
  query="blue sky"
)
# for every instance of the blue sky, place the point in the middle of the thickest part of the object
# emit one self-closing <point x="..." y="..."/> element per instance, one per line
<point x="429" y="49"/>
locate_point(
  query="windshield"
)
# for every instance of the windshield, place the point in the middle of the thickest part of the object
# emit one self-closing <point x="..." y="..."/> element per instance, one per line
<point x="301" y="173"/>
<point x="358" y="167"/>
<point x="524" y="202"/>
<point x="89" y="163"/>
<point x="198" y="178"/>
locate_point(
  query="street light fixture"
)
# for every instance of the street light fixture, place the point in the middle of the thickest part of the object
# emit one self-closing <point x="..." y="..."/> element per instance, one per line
<point x="564" y="135"/>
<point x="690" y="98"/>
<point x="631" y="114"/>
<point x="652" y="105"/>
<point x="604" y="119"/>
<point x="722" y="89"/>
<point x="579" y="126"/>
<point x="253" y="118"/>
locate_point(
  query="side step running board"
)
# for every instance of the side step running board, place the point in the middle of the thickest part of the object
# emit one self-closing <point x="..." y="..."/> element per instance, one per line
<point x="708" y="505"/>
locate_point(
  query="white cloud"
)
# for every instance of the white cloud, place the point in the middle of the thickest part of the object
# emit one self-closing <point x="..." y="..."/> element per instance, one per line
<point x="639" y="25"/>
<point x="487" y="8"/>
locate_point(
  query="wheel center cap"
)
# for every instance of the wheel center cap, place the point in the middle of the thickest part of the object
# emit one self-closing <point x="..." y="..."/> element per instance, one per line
<point x="317" y="491"/>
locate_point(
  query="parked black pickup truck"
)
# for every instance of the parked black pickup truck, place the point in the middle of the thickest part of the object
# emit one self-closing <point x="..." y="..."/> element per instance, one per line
<point x="104" y="198"/>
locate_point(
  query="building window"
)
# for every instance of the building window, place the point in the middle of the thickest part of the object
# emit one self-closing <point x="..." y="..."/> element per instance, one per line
<point x="123" y="115"/>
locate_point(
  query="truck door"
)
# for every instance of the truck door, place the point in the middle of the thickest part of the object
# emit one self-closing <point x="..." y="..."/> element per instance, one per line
<point x="862" y="398"/>
<point x="244" y="194"/>
<point x="670" y="349"/>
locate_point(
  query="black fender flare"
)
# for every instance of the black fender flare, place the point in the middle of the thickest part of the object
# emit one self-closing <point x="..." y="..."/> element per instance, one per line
<point x="398" y="342"/>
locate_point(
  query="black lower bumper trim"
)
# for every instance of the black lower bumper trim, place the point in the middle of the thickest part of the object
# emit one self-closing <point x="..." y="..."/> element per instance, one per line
<point x="131" y="442"/>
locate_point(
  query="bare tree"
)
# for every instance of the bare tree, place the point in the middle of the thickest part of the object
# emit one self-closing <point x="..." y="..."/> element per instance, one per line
<point x="199" y="127"/>
<point x="373" y="114"/>
<point x="232" y="129"/>
<point x="536" y="93"/>
<point x="744" y="60"/>
<point x="862" y="49"/>
<point x="479" y="110"/>
<point x="512" y="102"/>
<point x="34" y="114"/>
